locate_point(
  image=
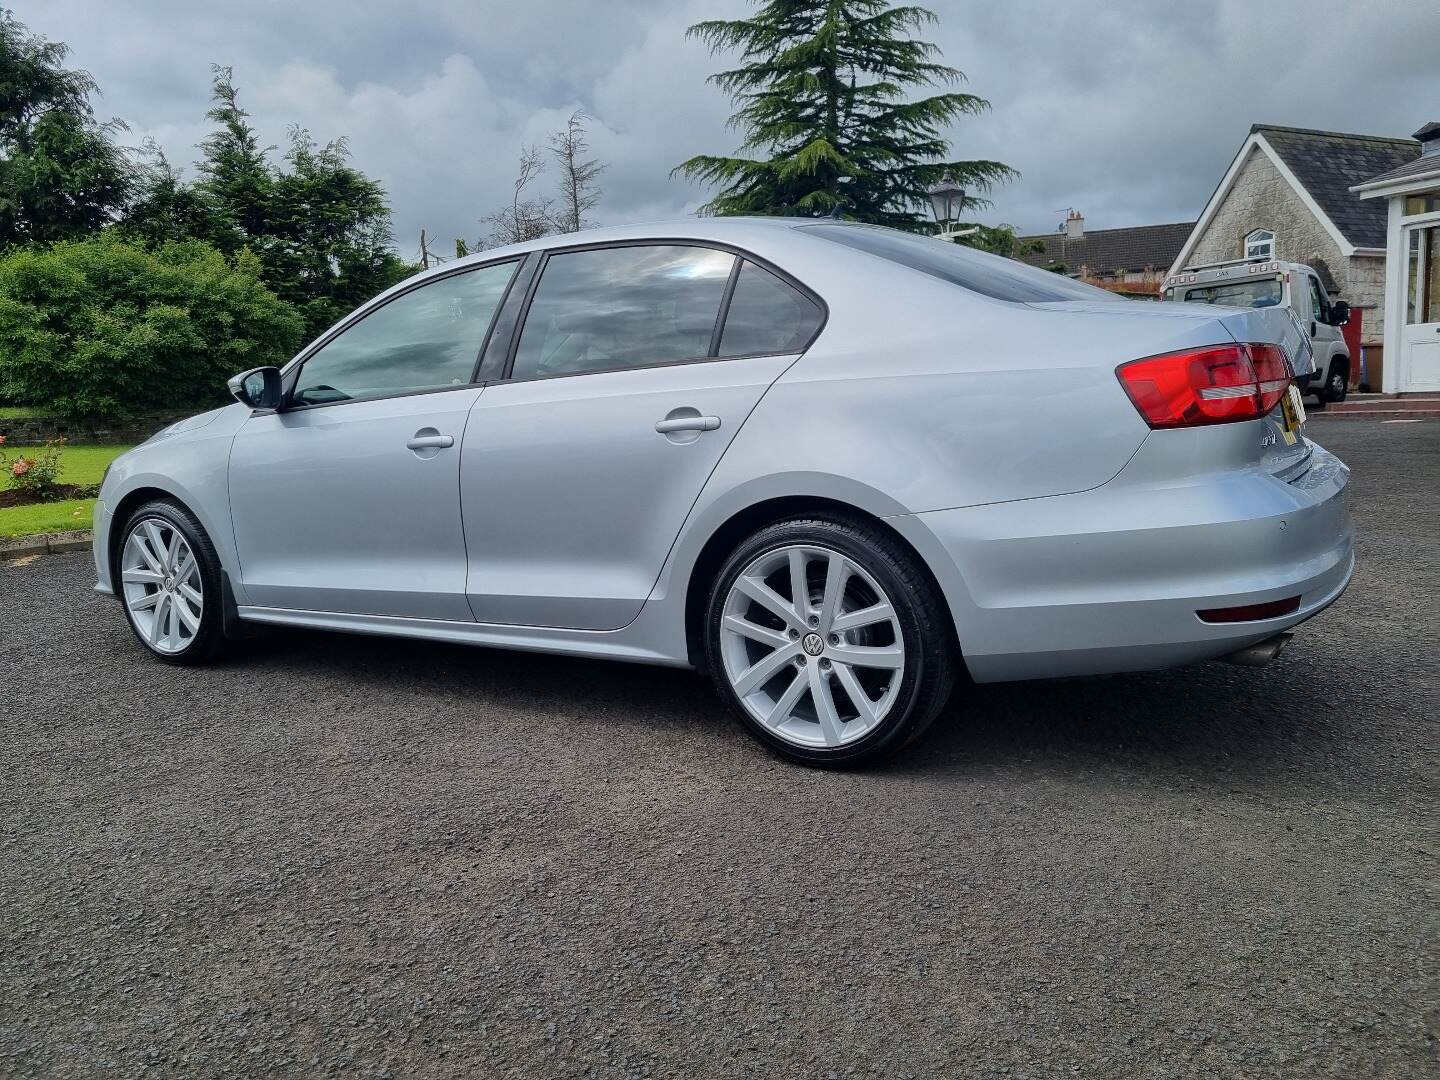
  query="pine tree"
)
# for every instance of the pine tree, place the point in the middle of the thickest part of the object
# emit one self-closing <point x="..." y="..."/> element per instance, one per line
<point x="165" y="207"/>
<point x="235" y="170"/>
<point x="822" y="96"/>
<point x="328" y="245"/>
<point x="60" y="175"/>
<point x="320" y="227"/>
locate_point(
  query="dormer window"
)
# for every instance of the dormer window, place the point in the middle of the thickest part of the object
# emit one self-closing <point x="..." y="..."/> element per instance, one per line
<point x="1260" y="244"/>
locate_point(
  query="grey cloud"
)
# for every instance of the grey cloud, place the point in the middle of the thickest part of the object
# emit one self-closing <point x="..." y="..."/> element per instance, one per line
<point x="1129" y="111"/>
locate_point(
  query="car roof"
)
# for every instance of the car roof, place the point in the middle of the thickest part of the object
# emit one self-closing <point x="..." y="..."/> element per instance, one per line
<point x="724" y="230"/>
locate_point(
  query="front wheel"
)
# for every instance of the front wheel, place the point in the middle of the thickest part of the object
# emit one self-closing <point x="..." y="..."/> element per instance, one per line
<point x="168" y="578"/>
<point x="1336" y="384"/>
<point x="828" y="641"/>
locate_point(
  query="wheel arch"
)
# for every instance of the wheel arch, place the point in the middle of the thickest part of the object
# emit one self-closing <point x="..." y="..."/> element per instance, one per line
<point x="1341" y="355"/>
<point x="127" y="505"/>
<point x="750" y="519"/>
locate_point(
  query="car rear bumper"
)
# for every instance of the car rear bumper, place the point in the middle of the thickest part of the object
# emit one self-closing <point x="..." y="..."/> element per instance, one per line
<point x="1111" y="579"/>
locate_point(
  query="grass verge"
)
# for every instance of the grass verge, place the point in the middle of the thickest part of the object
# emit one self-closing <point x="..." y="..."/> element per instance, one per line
<point x="78" y="465"/>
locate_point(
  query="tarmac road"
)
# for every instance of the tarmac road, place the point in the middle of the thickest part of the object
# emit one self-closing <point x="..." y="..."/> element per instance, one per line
<point x="345" y="856"/>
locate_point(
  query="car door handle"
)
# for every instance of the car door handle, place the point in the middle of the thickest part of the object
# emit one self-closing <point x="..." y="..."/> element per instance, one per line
<point x="688" y="423"/>
<point x="428" y="442"/>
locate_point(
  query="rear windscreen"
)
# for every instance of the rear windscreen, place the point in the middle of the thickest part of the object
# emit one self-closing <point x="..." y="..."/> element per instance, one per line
<point x="978" y="271"/>
<point x="1252" y="294"/>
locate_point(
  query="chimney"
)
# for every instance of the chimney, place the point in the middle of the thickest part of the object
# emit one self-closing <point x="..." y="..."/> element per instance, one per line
<point x="1074" y="225"/>
<point x="1429" y="137"/>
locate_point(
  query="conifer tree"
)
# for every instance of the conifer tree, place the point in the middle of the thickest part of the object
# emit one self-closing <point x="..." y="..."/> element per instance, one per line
<point x="822" y="89"/>
<point x="60" y="174"/>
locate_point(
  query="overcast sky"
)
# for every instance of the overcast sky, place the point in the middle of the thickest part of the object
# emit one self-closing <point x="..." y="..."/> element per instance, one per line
<point x="1128" y="111"/>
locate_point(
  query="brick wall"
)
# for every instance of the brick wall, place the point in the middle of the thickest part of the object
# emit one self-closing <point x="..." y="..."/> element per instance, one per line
<point x="1364" y="286"/>
<point x="36" y="430"/>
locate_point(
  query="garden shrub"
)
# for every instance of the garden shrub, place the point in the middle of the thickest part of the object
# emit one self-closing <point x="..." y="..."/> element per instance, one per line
<point x="36" y="474"/>
<point x="104" y="327"/>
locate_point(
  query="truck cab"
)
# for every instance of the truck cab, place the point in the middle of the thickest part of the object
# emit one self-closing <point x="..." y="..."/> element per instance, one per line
<point x="1248" y="283"/>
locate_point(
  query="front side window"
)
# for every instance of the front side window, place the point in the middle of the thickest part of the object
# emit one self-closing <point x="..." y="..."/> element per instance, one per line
<point x="425" y="339"/>
<point x="1319" y="309"/>
<point x="631" y="306"/>
<point x="1260" y="244"/>
<point x="1262" y="292"/>
<point x="767" y="316"/>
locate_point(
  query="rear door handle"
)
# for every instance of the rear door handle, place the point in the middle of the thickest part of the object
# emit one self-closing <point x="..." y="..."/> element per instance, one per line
<point x="688" y="423"/>
<point x="428" y="442"/>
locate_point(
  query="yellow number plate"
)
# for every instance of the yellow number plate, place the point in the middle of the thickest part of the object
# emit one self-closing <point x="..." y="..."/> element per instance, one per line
<point x="1292" y="408"/>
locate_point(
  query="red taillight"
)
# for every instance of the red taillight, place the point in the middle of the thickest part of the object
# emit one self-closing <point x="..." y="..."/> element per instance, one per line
<point x="1214" y="385"/>
<point x="1272" y="374"/>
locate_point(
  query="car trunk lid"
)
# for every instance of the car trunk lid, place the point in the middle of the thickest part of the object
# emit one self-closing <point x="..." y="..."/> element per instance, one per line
<point x="1282" y="448"/>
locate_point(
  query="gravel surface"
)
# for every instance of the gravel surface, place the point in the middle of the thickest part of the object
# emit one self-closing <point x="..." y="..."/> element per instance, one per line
<point x="340" y="856"/>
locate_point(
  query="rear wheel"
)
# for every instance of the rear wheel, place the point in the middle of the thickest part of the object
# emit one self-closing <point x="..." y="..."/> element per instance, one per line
<point x="828" y="641"/>
<point x="168" y="578"/>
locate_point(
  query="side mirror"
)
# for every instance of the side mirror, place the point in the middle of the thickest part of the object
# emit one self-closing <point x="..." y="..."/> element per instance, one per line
<point x="258" y="388"/>
<point x="1339" y="313"/>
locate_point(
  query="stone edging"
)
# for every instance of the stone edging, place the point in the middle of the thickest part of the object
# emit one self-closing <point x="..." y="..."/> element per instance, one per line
<point x="15" y="547"/>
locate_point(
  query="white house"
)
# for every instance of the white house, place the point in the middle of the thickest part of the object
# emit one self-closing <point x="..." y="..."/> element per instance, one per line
<point x="1412" y="266"/>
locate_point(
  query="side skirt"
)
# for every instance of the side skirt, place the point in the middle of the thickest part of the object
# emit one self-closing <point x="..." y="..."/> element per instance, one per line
<point x="598" y="644"/>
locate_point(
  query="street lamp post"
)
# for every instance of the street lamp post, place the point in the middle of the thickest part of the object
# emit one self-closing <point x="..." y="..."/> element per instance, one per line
<point x="947" y="198"/>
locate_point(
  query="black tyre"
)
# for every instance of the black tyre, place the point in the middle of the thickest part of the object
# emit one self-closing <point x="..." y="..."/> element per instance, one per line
<point x="1337" y="382"/>
<point x="167" y="577"/>
<point x="829" y="641"/>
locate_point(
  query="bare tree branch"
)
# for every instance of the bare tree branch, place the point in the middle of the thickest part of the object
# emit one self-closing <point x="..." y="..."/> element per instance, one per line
<point x="524" y="219"/>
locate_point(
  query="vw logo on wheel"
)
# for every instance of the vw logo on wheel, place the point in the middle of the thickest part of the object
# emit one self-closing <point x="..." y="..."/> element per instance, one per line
<point x="813" y="644"/>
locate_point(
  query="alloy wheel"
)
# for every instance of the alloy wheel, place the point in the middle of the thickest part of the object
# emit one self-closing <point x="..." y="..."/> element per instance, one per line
<point x="812" y="646"/>
<point x="163" y="589"/>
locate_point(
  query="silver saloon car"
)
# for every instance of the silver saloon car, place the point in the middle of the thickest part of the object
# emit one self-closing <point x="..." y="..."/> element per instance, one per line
<point x="834" y="466"/>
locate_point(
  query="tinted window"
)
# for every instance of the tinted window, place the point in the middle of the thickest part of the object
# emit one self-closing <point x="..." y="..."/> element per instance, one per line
<point x="1252" y="294"/>
<point x="425" y="339"/>
<point x="767" y="315"/>
<point x="978" y="271"/>
<point x="622" y="307"/>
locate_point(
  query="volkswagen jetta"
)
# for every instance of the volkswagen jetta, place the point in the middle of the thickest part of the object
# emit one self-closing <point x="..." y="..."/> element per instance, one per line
<point x="835" y="466"/>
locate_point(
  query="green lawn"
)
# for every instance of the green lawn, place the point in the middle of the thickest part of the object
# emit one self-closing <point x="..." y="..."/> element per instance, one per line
<point x="10" y="412"/>
<point x="79" y="465"/>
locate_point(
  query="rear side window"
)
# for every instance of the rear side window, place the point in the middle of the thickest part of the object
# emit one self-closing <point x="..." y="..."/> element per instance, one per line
<point x="620" y="307"/>
<point x="767" y="316"/>
<point x="1257" y="293"/>
<point x="980" y="272"/>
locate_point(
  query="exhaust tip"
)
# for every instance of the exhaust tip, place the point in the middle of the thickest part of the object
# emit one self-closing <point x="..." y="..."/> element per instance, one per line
<point x="1261" y="653"/>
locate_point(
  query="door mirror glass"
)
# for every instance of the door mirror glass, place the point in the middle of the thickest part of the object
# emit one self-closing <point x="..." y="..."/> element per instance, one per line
<point x="259" y="388"/>
<point x="1339" y="313"/>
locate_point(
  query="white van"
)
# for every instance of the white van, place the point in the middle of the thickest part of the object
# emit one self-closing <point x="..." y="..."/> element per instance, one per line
<point x="1270" y="283"/>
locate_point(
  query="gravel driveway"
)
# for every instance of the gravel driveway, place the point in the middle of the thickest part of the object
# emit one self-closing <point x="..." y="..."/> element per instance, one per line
<point x="341" y="856"/>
